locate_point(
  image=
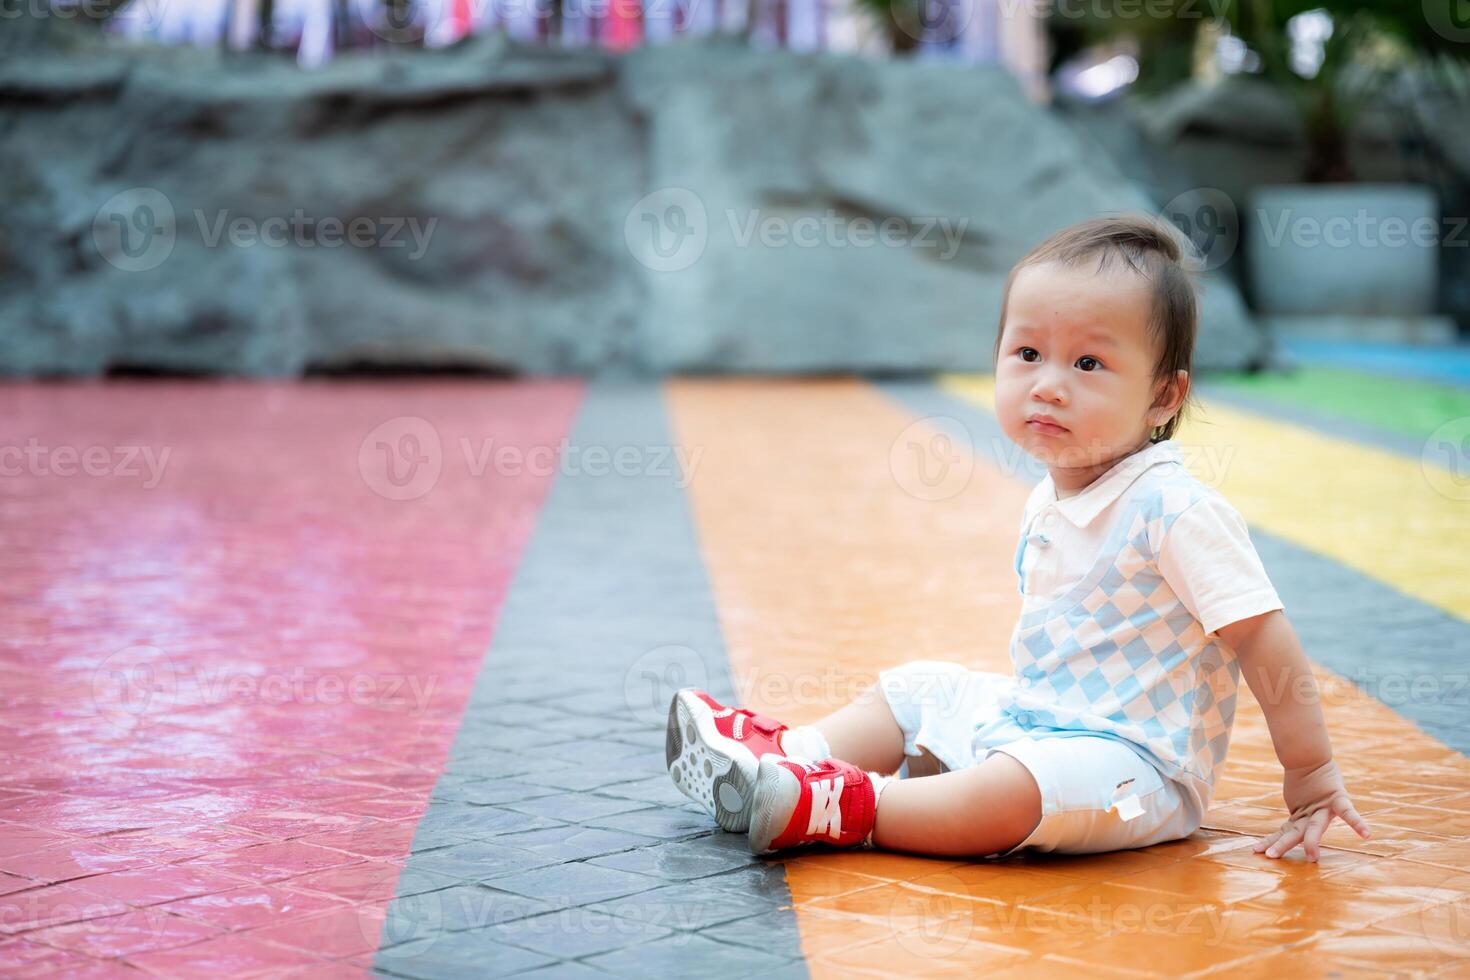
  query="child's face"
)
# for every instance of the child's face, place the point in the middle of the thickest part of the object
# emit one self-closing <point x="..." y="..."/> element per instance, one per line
<point x="1076" y="347"/>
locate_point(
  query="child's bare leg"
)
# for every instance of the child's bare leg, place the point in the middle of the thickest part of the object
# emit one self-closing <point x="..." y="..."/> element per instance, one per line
<point x="973" y="812"/>
<point x="864" y="733"/>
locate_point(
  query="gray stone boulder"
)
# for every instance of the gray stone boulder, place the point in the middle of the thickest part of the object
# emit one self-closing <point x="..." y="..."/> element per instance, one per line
<point x="694" y="207"/>
<point x="955" y="158"/>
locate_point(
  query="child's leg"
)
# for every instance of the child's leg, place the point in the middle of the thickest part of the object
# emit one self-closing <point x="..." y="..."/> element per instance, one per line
<point x="975" y="812"/>
<point x="865" y="733"/>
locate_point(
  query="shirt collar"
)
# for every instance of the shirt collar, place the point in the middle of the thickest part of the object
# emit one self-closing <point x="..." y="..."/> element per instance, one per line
<point x="1081" y="508"/>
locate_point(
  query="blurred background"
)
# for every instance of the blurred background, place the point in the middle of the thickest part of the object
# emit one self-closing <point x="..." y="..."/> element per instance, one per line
<point x="272" y="188"/>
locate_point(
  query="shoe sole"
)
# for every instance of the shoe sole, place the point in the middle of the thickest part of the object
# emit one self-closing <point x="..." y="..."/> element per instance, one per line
<point x="716" y="772"/>
<point x="776" y="794"/>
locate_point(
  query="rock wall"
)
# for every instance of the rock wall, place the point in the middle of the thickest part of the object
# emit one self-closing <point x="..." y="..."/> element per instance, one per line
<point x="695" y="207"/>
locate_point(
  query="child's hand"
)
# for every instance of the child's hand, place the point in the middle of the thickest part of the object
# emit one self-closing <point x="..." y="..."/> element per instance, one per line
<point x="1313" y="796"/>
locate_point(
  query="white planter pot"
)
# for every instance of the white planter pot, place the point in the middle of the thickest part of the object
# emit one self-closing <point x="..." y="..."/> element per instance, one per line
<point x="1357" y="249"/>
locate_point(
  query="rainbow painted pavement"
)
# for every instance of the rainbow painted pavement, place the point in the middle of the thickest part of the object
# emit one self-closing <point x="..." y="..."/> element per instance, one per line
<point x="322" y="679"/>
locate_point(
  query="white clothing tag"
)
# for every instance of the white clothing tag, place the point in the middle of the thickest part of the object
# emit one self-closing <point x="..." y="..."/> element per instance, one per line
<point x="1127" y="805"/>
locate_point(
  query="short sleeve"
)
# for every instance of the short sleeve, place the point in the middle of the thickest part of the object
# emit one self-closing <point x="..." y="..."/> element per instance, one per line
<point x="1207" y="558"/>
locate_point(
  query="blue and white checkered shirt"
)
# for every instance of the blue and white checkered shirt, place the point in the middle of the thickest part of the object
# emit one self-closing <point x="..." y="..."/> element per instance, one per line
<point x="1124" y="646"/>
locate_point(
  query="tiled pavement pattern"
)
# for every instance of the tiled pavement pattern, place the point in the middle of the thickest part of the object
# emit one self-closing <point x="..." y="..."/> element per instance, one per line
<point x="517" y="819"/>
<point x="555" y="815"/>
<point x="229" y="683"/>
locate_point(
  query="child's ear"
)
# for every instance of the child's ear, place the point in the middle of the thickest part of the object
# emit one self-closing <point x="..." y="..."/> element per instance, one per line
<point x="1172" y="396"/>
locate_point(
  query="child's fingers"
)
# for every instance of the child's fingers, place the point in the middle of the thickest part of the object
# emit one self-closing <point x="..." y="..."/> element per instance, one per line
<point x="1288" y="840"/>
<point x="1353" y="820"/>
<point x="1316" y="825"/>
<point x="1266" y="842"/>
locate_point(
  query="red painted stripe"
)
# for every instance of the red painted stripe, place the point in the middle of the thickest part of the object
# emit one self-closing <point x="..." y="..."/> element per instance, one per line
<point x="230" y="676"/>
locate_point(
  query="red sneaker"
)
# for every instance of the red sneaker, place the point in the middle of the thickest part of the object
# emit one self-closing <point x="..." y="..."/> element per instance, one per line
<point x="713" y="752"/>
<point x="827" y="802"/>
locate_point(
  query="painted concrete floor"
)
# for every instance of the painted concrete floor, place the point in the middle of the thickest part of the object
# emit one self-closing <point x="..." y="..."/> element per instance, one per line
<point x="326" y="679"/>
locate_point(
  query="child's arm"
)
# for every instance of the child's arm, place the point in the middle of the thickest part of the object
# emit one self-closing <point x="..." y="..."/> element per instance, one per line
<point x="1279" y="675"/>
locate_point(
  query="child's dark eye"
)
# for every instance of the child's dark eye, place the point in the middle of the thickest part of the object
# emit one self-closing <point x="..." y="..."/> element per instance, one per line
<point x="1027" y="350"/>
<point x="1088" y="360"/>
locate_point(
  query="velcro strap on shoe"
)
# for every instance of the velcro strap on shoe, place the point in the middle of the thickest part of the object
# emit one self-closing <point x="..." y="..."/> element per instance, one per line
<point x="766" y="726"/>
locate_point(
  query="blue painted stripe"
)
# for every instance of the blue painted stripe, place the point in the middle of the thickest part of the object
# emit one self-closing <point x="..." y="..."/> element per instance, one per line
<point x="1449" y="364"/>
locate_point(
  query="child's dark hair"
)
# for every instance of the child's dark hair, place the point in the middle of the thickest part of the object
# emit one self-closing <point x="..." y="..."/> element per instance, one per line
<point x="1153" y="249"/>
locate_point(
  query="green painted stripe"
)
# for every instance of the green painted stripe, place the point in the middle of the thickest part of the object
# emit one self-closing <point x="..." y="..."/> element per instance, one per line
<point x="1408" y="407"/>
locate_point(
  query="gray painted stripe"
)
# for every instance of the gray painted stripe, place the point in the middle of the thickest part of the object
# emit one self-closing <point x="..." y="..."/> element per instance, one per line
<point x="1413" y="657"/>
<point x="555" y="834"/>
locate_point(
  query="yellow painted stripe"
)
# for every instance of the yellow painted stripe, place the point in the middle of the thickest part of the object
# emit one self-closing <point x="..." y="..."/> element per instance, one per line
<point x="1392" y="518"/>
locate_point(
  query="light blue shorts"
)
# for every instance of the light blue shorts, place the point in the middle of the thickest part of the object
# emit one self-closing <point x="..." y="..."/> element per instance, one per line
<point x="1097" y="793"/>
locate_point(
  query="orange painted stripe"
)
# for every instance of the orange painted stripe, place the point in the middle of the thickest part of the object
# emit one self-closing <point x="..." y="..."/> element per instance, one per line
<point x="826" y="569"/>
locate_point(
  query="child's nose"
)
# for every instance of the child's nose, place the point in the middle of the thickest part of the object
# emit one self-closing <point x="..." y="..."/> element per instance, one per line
<point x="1049" y="390"/>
